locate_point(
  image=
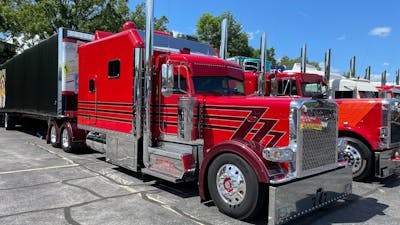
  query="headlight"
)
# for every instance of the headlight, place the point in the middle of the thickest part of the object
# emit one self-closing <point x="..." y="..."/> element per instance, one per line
<point x="282" y="154"/>
<point x="383" y="132"/>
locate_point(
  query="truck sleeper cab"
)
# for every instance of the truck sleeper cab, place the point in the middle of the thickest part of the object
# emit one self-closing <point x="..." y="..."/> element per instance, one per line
<point x="186" y="118"/>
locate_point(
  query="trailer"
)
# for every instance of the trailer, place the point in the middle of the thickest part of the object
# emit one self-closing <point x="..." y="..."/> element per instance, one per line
<point x="41" y="83"/>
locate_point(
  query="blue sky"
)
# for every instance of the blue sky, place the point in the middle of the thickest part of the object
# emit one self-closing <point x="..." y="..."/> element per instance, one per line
<point x="369" y="30"/>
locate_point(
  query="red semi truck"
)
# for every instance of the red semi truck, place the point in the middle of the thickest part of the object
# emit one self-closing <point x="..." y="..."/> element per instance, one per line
<point x="175" y="111"/>
<point x="371" y="126"/>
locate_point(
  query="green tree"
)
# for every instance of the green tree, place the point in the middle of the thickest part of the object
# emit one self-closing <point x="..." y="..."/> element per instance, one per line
<point x="139" y="17"/>
<point x="209" y="30"/>
<point x="42" y="18"/>
<point x="270" y="55"/>
<point x="286" y="61"/>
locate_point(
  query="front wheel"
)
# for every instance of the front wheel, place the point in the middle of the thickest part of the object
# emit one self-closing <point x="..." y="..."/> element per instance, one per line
<point x="234" y="187"/>
<point x="359" y="157"/>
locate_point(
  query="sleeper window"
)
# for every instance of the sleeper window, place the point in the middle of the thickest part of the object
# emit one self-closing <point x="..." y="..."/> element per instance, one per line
<point x="114" y="69"/>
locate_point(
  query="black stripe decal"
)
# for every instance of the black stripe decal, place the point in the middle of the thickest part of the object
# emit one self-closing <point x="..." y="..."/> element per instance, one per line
<point x="209" y="126"/>
<point x="106" y="103"/>
<point x="105" y="118"/>
<point x="223" y="117"/>
<point x="107" y="111"/>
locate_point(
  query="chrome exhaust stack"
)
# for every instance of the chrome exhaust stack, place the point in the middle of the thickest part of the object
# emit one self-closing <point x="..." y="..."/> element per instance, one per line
<point x="383" y="78"/>
<point x="223" y="48"/>
<point x="352" y="67"/>
<point x="261" y="80"/>
<point x="368" y="73"/>
<point x="303" y="59"/>
<point x="397" y="77"/>
<point x="327" y="68"/>
<point x="147" y="80"/>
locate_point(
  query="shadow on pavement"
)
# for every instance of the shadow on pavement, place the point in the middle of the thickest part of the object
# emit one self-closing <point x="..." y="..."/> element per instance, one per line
<point x="354" y="210"/>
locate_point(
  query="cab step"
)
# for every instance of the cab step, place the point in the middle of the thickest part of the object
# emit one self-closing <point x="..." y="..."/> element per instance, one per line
<point x="171" y="162"/>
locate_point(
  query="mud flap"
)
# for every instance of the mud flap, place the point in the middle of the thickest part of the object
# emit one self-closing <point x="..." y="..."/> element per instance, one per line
<point x="291" y="200"/>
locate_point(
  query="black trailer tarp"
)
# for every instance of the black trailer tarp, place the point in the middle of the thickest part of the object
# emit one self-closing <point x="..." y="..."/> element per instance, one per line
<point x="32" y="79"/>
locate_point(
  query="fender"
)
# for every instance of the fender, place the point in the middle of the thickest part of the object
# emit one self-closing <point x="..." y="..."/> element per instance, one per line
<point x="362" y="135"/>
<point x="77" y="135"/>
<point x="249" y="150"/>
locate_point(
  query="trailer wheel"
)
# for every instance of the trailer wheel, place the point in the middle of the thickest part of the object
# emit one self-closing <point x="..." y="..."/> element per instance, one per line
<point x="9" y="122"/>
<point x="359" y="157"/>
<point x="53" y="136"/>
<point x="234" y="187"/>
<point x="66" y="140"/>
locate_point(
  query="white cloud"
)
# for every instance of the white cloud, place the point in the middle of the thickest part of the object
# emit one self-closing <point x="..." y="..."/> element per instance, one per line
<point x="378" y="77"/>
<point x="252" y="34"/>
<point x="341" y="37"/>
<point x="385" y="64"/>
<point x="380" y="31"/>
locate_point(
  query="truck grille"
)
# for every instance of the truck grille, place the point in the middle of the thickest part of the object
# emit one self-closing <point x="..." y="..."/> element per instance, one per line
<point x="317" y="138"/>
<point x="394" y="122"/>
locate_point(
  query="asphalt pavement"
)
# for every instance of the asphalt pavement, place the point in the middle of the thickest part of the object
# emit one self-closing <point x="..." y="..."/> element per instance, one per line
<point x="40" y="184"/>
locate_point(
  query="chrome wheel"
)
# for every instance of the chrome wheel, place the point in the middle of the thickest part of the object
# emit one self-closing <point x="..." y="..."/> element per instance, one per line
<point x="53" y="135"/>
<point x="65" y="139"/>
<point x="354" y="158"/>
<point x="231" y="184"/>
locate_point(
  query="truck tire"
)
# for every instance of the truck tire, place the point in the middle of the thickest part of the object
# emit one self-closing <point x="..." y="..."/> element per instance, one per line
<point x="66" y="140"/>
<point x="9" y="122"/>
<point x="54" y="134"/>
<point x="359" y="157"/>
<point x="2" y="119"/>
<point x="234" y="187"/>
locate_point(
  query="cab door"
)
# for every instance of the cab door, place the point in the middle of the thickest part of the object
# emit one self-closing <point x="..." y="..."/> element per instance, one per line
<point x="168" y="107"/>
<point x="92" y="99"/>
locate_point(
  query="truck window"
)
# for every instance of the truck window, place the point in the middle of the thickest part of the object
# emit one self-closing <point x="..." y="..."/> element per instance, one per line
<point x="251" y="66"/>
<point x="218" y="85"/>
<point x="287" y="88"/>
<point x="92" y="86"/>
<point x="311" y="89"/>
<point x="368" y="94"/>
<point x="179" y="87"/>
<point x="343" y="94"/>
<point x="113" y="69"/>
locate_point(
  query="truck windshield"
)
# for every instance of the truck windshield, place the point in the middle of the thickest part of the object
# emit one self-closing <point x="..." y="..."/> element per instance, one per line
<point x="311" y="89"/>
<point x="368" y="94"/>
<point x="218" y="85"/>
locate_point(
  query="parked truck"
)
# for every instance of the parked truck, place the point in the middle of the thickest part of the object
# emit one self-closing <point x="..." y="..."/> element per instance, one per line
<point x="171" y="109"/>
<point x="370" y="125"/>
<point x="389" y="91"/>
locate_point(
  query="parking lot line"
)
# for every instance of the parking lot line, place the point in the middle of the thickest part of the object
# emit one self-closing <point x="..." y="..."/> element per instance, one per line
<point x="52" y="152"/>
<point x="38" y="169"/>
<point x="129" y="189"/>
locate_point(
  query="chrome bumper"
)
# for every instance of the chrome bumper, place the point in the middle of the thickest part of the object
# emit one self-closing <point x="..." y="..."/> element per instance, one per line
<point x="384" y="165"/>
<point x="288" y="201"/>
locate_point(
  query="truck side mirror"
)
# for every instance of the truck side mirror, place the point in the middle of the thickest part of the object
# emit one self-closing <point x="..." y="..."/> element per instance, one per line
<point x="167" y="76"/>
